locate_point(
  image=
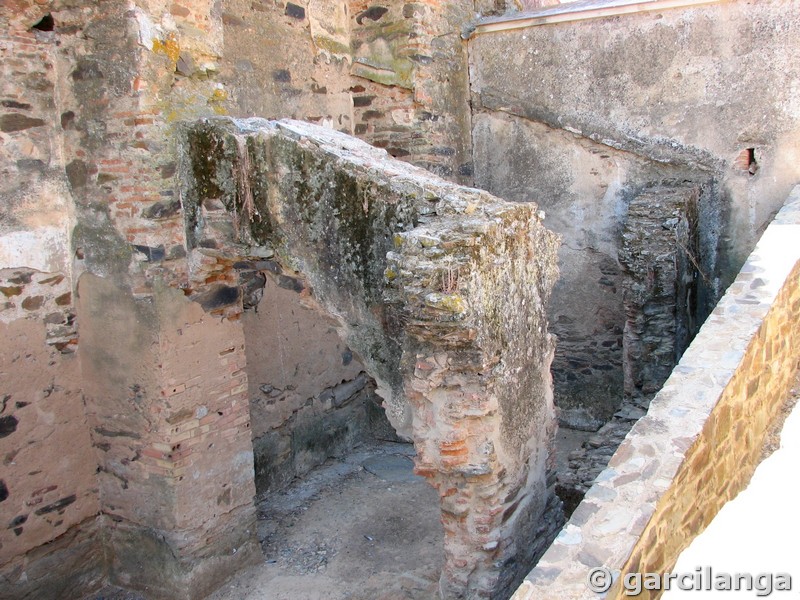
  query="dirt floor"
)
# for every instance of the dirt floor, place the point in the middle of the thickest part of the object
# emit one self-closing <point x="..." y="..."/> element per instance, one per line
<point x="361" y="528"/>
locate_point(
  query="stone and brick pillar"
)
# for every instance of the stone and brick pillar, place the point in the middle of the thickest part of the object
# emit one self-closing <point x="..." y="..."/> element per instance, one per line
<point x="163" y="443"/>
<point x="439" y="289"/>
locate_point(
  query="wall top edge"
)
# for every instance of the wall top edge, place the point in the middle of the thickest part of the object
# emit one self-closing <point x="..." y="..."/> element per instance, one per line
<point x="579" y="10"/>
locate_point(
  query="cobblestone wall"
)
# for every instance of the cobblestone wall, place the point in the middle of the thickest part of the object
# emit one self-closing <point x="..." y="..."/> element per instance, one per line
<point x="701" y="439"/>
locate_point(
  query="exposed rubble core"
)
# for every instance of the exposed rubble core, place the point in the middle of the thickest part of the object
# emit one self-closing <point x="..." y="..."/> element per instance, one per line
<point x="440" y="292"/>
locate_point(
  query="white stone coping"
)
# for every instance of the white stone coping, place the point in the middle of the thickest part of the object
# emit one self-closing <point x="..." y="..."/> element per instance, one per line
<point x="579" y="10"/>
<point x="606" y="526"/>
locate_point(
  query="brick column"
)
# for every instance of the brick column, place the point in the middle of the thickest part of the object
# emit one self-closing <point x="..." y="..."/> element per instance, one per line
<point x="164" y="384"/>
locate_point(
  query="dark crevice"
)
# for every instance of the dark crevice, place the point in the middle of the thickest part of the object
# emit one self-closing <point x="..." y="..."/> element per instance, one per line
<point x="46" y="23"/>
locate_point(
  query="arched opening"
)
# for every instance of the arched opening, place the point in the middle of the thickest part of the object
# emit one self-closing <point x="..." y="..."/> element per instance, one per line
<point x="338" y="504"/>
<point x="439" y="291"/>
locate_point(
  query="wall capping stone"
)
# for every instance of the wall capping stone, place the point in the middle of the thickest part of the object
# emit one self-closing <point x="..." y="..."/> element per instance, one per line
<point x="580" y="10"/>
<point x="700" y="442"/>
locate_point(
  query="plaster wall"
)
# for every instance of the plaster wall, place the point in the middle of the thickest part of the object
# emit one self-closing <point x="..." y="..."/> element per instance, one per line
<point x="585" y="189"/>
<point x="691" y="86"/>
<point x="581" y="116"/>
<point x="49" y="499"/>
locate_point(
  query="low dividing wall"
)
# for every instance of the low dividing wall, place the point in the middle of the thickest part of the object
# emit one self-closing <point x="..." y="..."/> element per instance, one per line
<point x="701" y="440"/>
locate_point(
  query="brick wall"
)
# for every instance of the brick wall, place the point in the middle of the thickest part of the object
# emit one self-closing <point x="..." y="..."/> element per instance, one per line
<point x="701" y="440"/>
<point x="309" y="396"/>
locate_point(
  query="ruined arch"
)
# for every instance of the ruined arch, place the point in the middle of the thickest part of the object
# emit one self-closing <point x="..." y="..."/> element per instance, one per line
<point x="439" y="289"/>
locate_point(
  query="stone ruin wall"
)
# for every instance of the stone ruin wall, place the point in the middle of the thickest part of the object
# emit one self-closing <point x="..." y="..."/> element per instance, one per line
<point x="584" y="116"/>
<point x="431" y="286"/>
<point x="310" y="397"/>
<point x="87" y="122"/>
<point x="90" y="99"/>
<point x="161" y="354"/>
<point x="702" y="438"/>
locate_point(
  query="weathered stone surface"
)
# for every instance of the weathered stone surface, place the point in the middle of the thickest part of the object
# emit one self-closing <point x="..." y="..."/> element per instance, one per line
<point x="11" y="122"/>
<point x="660" y="254"/>
<point x="439" y="290"/>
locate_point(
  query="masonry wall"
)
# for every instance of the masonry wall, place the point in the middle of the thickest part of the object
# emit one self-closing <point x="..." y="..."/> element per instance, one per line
<point x="660" y="286"/>
<point x="582" y="115"/>
<point x="394" y="74"/>
<point x="585" y="189"/>
<point x="310" y="397"/>
<point x="49" y="499"/>
<point x="440" y="292"/>
<point x="90" y="101"/>
<point x="48" y="496"/>
<point x="89" y="234"/>
<point x="411" y="84"/>
<point x="288" y="59"/>
<point x="701" y="440"/>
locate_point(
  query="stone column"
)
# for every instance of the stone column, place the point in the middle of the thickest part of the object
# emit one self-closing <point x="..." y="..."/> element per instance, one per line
<point x="660" y="290"/>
